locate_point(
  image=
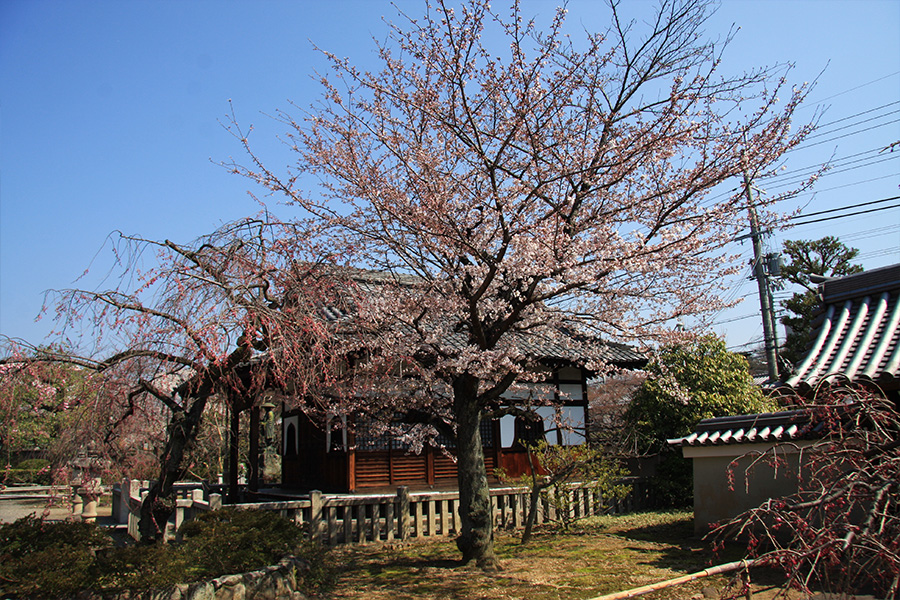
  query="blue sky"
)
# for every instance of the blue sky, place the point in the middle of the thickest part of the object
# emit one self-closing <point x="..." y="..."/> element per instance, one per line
<point x="110" y="119"/>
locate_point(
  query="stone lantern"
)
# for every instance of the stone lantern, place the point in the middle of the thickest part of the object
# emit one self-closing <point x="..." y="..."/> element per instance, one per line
<point x="86" y="485"/>
<point x="270" y="455"/>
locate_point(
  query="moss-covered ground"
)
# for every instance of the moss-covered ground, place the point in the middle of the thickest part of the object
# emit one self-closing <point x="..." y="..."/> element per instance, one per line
<point x="598" y="556"/>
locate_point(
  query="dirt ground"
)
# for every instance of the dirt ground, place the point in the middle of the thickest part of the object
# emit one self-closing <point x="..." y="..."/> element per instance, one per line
<point x="12" y="510"/>
<point x="574" y="565"/>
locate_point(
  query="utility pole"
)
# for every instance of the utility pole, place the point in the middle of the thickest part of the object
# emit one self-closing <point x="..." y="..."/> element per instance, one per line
<point x="761" y="274"/>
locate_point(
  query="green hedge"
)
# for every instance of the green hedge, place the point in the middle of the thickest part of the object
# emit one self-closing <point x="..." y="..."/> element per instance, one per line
<point x="33" y="476"/>
<point x="34" y="470"/>
<point x="51" y="560"/>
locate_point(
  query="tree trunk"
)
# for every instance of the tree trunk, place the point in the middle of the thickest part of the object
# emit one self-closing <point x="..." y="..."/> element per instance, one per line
<point x="534" y="497"/>
<point x="159" y="504"/>
<point x="476" y="539"/>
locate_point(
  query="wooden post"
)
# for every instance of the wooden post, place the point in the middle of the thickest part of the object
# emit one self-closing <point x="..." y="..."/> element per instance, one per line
<point x="429" y="465"/>
<point x="233" y="452"/>
<point x="254" y="450"/>
<point x="518" y="507"/>
<point x="315" y="514"/>
<point x="403" y="511"/>
<point x="361" y="523"/>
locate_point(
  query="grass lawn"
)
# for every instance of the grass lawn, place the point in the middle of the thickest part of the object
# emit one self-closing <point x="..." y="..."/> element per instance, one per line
<point x="598" y="556"/>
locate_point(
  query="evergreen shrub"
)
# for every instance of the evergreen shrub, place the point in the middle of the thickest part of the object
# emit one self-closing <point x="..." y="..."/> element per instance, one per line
<point x="40" y="559"/>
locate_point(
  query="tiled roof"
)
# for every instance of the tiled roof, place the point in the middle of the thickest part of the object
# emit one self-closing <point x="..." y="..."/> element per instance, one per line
<point x="561" y="347"/>
<point x="859" y="337"/>
<point x="746" y="429"/>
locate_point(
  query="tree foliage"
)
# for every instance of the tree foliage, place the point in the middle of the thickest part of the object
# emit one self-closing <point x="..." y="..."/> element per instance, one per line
<point x="839" y="534"/>
<point x="542" y="185"/>
<point x="553" y="472"/>
<point x="47" y="410"/>
<point x="196" y="326"/>
<point x="827" y="256"/>
<point x="686" y="383"/>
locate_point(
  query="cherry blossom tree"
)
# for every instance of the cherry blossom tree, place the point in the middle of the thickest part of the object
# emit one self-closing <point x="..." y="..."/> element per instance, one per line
<point x="840" y="533"/>
<point x="538" y="187"/>
<point x="37" y="407"/>
<point x="222" y="319"/>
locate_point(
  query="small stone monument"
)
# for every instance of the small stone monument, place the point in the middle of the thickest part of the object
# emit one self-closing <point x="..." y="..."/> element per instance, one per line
<point x="86" y="485"/>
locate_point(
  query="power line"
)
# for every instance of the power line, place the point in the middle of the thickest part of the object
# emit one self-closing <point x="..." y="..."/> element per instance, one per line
<point x="861" y="212"/>
<point x="741" y="318"/>
<point x="848" y="207"/>
<point x="877" y="253"/>
<point x="853" y="89"/>
<point x="803" y="147"/>
<point x="815" y="135"/>
<point x="871" y="233"/>
<point x="859" y="114"/>
<point x="855" y="183"/>
<point x="753" y="342"/>
<point x="835" y="169"/>
<point x="818" y="166"/>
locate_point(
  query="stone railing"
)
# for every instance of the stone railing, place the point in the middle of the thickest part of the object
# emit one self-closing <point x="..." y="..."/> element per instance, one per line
<point x="82" y="497"/>
<point x="283" y="580"/>
<point x="191" y="499"/>
<point x="360" y="519"/>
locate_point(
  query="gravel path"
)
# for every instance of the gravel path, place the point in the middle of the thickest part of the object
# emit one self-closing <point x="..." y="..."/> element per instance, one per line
<point x="11" y="510"/>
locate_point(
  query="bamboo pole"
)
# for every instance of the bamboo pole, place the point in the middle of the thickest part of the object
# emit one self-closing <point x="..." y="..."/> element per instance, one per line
<point x="639" y="591"/>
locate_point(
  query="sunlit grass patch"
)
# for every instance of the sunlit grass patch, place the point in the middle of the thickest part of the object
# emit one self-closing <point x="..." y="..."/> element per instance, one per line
<point x="598" y="556"/>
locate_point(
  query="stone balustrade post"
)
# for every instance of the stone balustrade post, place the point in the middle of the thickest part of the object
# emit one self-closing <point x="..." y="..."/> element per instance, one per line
<point x="315" y="515"/>
<point x="403" y="511"/>
<point x="77" y="501"/>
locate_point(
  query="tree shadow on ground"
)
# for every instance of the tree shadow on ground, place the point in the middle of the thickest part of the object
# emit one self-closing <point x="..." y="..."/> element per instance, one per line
<point x="687" y="553"/>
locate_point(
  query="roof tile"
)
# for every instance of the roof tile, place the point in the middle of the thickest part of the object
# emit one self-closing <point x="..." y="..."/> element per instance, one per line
<point x="859" y="338"/>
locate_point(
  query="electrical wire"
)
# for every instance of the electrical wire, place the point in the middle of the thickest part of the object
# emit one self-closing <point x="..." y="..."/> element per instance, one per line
<point x="847" y="207"/>
<point x="871" y="233"/>
<point x="855" y="183"/>
<point x="839" y="162"/>
<point x="740" y="318"/>
<point x="878" y="253"/>
<point x="816" y="135"/>
<point x="861" y="212"/>
<point x="853" y="89"/>
<point x="859" y="114"/>
<point x="794" y="180"/>
<point x="840" y="137"/>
